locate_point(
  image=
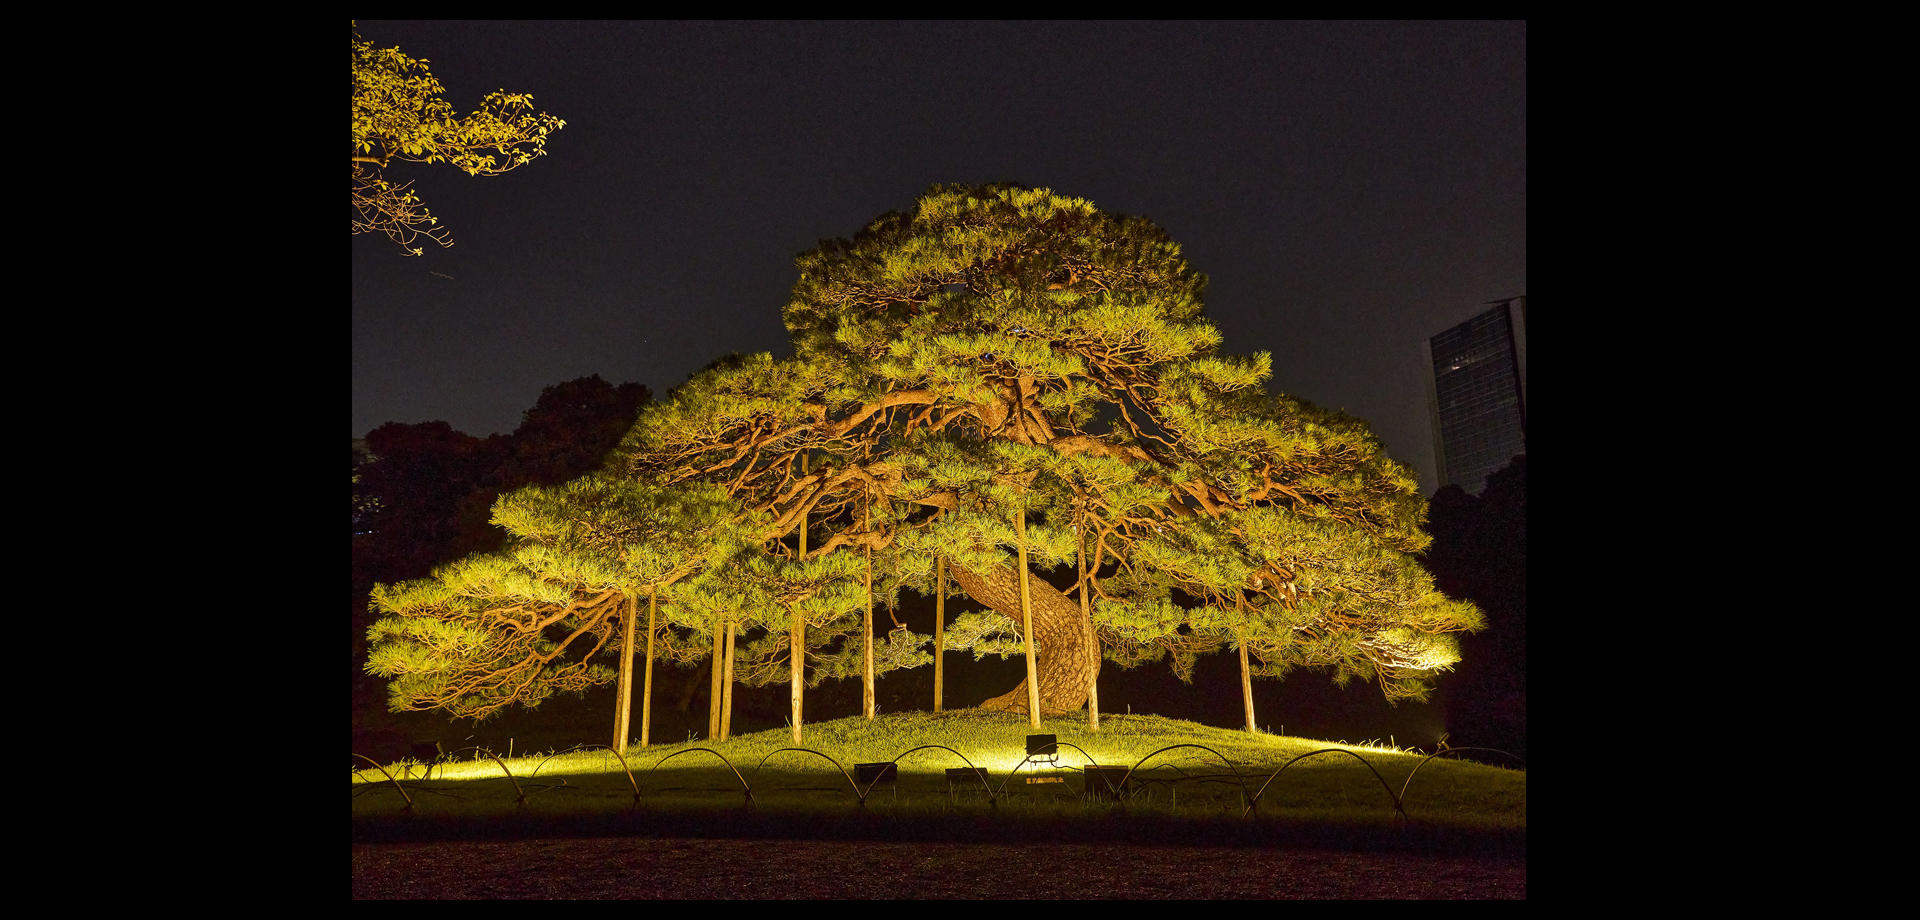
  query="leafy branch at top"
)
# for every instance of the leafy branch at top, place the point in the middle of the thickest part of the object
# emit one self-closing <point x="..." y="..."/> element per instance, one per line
<point x="400" y="113"/>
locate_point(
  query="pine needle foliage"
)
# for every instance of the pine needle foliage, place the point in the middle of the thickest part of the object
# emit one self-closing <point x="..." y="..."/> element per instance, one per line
<point x="995" y="354"/>
<point x="400" y="113"/>
<point x="517" y="626"/>
<point x="1001" y="350"/>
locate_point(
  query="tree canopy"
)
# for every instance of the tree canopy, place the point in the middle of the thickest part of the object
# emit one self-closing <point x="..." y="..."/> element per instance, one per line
<point x="1001" y="350"/>
<point x="1004" y="370"/>
<point x="399" y="113"/>
<point x="501" y="628"/>
<point x="422" y="492"/>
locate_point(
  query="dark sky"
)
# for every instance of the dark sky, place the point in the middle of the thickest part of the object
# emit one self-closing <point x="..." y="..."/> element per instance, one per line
<point x="1350" y="189"/>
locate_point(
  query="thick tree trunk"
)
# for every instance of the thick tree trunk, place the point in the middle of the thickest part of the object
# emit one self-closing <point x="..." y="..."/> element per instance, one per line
<point x="1066" y="668"/>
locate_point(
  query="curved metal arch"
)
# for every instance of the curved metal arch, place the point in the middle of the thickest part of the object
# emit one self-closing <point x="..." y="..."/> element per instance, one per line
<point x="1255" y="801"/>
<point x="723" y="759"/>
<point x="1223" y="759"/>
<point x="1416" y="769"/>
<point x="995" y="794"/>
<point x="390" y="779"/>
<point x="836" y="764"/>
<point x="1083" y="751"/>
<point x="551" y="755"/>
<point x="520" y="794"/>
<point x="978" y="772"/>
<point x="587" y="747"/>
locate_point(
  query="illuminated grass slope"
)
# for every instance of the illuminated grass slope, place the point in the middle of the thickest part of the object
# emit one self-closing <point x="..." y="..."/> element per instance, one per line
<point x="1187" y="784"/>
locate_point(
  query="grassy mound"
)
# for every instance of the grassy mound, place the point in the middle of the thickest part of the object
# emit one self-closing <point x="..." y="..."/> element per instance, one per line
<point x="1189" y="782"/>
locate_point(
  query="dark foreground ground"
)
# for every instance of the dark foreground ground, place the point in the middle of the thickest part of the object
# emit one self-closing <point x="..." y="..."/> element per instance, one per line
<point x="671" y="868"/>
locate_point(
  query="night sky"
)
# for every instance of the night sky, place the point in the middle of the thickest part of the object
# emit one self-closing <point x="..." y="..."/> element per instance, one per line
<point x="1350" y="190"/>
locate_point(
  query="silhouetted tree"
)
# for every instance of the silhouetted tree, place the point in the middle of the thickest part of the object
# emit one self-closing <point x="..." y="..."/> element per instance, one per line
<point x="569" y="431"/>
<point x="415" y="488"/>
<point x="426" y="495"/>
<point x="1479" y="552"/>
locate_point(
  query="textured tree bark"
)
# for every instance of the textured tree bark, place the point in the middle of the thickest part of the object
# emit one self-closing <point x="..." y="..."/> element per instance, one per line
<point x="1066" y="670"/>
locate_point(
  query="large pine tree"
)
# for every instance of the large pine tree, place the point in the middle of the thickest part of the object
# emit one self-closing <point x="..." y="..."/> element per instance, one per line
<point x="973" y="373"/>
<point x="995" y="379"/>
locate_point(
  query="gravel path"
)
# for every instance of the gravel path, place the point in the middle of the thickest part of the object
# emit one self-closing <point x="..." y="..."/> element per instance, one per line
<point x="648" y="868"/>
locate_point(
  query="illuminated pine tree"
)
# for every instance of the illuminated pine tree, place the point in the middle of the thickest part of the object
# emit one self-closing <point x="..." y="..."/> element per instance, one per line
<point x="1001" y="365"/>
<point x="747" y="610"/>
<point x="514" y="627"/>
<point x="805" y="604"/>
<point x="828" y="595"/>
<point x="491" y="631"/>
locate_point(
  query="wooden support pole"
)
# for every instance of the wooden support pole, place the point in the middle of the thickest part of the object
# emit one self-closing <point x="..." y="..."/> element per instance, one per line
<point x="939" y="629"/>
<point x="714" y="691"/>
<point x="1026" y="623"/>
<point x="646" y="695"/>
<point x="797" y="637"/>
<point x="623" y="705"/>
<point x="1093" y="642"/>
<point x="726" y="703"/>
<point x="866" y="634"/>
<point x="1246" y="683"/>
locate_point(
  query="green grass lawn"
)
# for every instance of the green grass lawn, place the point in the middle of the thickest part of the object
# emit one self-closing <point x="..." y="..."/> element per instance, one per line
<point x="1204" y="782"/>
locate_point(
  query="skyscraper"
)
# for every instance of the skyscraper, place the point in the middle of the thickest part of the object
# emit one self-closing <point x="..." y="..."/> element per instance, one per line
<point x="1478" y="394"/>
